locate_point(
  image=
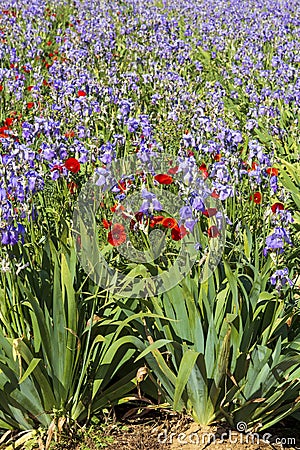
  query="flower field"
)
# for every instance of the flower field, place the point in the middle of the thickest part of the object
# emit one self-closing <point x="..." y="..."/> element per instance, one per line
<point x="149" y="212"/>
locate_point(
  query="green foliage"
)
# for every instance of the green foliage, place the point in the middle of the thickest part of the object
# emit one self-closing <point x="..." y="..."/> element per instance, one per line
<point x="290" y="179"/>
<point x="226" y="350"/>
<point x="63" y="355"/>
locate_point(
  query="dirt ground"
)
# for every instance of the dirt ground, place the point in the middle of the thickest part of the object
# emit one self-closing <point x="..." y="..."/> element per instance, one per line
<point x="172" y="432"/>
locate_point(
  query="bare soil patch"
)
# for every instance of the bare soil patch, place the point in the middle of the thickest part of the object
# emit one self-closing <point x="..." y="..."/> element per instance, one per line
<point x="169" y="431"/>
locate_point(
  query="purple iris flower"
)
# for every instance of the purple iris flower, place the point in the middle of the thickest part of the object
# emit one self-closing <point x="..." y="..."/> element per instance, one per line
<point x="120" y="197"/>
<point x="103" y="177"/>
<point x="150" y="202"/>
<point x="106" y="158"/>
<point x="198" y="204"/>
<point x="190" y="224"/>
<point x="250" y="124"/>
<point x="186" y="212"/>
<point x="132" y="125"/>
<point x="125" y="108"/>
<point x="10" y="236"/>
<point x="155" y="98"/>
<point x="285" y="217"/>
<point x="263" y="158"/>
<point x="276" y="240"/>
<point x="256" y="174"/>
<point x="220" y="171"/>
<point x="48" y="152"/>
<point x="273" y="183"/>
<point x="280" y="278"/>
<point x="188" y="140"/>
<point x="224" y="191"/>
<point x="2" y="194"/>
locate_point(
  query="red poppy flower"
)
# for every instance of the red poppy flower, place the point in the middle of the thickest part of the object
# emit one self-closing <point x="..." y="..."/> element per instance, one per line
<point x="163" y="178"/>
<point x="45" y="83"/>
<point x="178" y="233"/>
<point x="29" y="88"/>
<point x="69" y="134"/>
<point x="277" y="207"/>
<point x="210" y="212"/>
<point x="214" y="194"/>
<point x="30" y="105"/>
<point x="106" y="224"/>
<point x="156" y="220"/>
<point x="169" y="222"/>
<point x="81" y="94"/>
<point x="3" y="133"/>
<point x="9" y="121"/>
<point x="1" y="87"/>
<point x="122" y="186"/>
<point x="72" y="164"/>
<point x="257" y="197"/>
<point x="173" y="170"/>
<point x="117" y="235"/>
<point x="117" y="207"/>
<point x="213" y="231"/>
<point x="253" y="166"/>
<point x="204" y="171"/>
<point x="57" y="167"/>
<point x="217" y="157"/>
<point x="272" y="171"/>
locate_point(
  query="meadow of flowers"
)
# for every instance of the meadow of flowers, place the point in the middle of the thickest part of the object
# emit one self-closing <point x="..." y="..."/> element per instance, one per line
<point x="149" y="211"/>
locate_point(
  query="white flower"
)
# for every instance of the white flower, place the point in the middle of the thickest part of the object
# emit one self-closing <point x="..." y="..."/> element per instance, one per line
<point x="20" y="267"/>
<point x="5" y="265"/>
